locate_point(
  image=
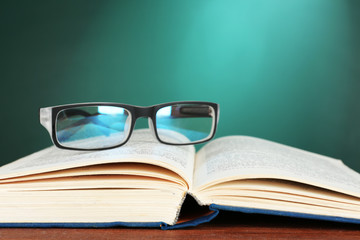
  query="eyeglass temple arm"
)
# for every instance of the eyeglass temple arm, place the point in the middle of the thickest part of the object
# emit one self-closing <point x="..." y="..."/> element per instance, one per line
<point x="45" y="119"/>
<point x="74" y="112"/>
<point x="192" y="111"/>
<point x="79" y="112"/>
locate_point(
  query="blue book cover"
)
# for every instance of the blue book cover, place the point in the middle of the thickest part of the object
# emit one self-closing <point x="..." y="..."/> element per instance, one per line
<point x="214" y="211"/>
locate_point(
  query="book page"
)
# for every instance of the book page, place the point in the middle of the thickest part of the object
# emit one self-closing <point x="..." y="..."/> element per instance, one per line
<point x="142" y="148"/>
<point x="240" y="157"/>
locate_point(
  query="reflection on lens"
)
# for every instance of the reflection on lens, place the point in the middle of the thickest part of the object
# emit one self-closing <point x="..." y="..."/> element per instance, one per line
<point x="92" y="127"/>
<point x="185" y="123"/>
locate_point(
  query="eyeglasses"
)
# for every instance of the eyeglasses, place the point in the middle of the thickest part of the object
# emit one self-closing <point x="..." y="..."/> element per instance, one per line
<point x="98" y="126"/>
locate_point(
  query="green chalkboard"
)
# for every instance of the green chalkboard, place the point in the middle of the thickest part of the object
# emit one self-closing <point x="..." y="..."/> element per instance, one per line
<point x="287" y="71"/>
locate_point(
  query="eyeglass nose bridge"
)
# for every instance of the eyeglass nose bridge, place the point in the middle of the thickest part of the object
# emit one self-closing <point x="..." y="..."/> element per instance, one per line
<point x="145" y="112"/>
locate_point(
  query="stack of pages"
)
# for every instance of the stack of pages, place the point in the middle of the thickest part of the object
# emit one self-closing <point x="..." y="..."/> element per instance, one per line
<point x="144" y="183"/>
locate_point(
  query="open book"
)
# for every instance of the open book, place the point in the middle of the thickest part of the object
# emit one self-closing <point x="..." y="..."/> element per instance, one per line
<point x="144" y="183"/>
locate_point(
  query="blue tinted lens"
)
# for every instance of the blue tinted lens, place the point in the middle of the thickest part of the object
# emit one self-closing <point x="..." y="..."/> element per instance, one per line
<point x="92" y="127"/>
<point x="185" y="123"/>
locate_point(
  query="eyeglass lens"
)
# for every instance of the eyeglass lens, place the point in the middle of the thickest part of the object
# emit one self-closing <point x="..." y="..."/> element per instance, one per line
<point x="92" y="127"/>
<point x="185" y="123"/>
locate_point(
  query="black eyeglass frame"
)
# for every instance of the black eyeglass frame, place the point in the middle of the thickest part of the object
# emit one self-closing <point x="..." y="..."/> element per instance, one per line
<point x="48" y="117"/>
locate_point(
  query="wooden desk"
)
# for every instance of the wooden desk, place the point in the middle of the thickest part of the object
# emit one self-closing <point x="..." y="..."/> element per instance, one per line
<point x="225" y="226"/>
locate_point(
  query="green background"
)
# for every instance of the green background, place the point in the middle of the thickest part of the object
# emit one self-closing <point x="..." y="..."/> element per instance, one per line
<point x="284" y="70"/>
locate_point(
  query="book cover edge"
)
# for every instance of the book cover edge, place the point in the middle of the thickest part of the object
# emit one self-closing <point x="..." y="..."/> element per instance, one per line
<point x="215" y="207"/>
